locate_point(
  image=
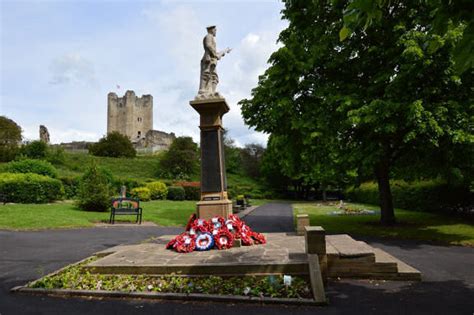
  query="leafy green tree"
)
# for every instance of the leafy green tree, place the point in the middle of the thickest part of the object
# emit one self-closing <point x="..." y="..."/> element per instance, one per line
<point x="113" y="144"/>
<point x="35" y="150"/>
<point x="368" y="102"/>
<point x="10" y="138"/>
<point x="94" y="190"/>
<point x="181" y="161"/>
<point x="233" y="161"/>
<point x="251" y="156"/>
<point x="360" y="15"/>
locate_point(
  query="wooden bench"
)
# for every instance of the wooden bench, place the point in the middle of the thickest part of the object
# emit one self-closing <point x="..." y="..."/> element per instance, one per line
<point x="123" y="206"/>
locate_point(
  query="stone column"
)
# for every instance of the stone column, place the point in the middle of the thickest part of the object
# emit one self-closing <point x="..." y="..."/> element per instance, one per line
<point x="214" y="200"/>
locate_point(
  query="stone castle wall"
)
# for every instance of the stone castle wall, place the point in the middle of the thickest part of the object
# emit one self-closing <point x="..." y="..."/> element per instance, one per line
<point x="130" y="115"/>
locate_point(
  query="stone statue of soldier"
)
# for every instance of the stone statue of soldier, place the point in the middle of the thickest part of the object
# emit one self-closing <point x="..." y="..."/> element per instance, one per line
<point x="209" y="78"/>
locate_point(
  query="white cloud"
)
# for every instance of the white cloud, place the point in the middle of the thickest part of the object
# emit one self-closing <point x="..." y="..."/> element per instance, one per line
<point x="153" y="49"/>
<point x="72" y="68"/>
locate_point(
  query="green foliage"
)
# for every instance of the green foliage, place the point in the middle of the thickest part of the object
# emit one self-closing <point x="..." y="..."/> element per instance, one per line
<point x="30" y="188"/>
<point x="129" y="183"/>
<point x="139" y="168"/>
<point x="158" y="190"/>
<point x="142" y="193"/>
<point x="35" y="150"/>
<point x="32" y="166"/>
<point x="176" y="193"/>
<point x="251" y="157"/>
<point x="362" y="14"/>
<point x="181" y="161"/>
<point x="74" y="277"/>
<point x="94" y="190"/>
<point x="56" y="155"/>
<point x="113" y="144"/>
<point x="430" y="195"/>
<point x="71" y="185"/>
<point x="356" y="108"/>
<point x="192" y="193"/>
<point x="233" y="161"/>
<point x="10" y="138"/>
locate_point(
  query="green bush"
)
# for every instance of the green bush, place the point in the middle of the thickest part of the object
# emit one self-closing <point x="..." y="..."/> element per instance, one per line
<point x="158" y="190"/>
<point x="181" y="161"/>
<point x="429" y="195"/>
<point x="30" y="188"/>
<point x="35" y="150"/>
<point x="32" y="166"/>
<point x="192" y="193"/>
<point x="94" y="190"/>
<point x="113" y="145"/>
<point x="142" y="193"/>
<point x="56" y="155"/>
<point x="176" y="193"/>
<point x="130" y="183"/>
<point x="71" y="185"/>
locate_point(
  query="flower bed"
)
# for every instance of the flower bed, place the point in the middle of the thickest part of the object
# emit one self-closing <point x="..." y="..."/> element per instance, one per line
<point x="74" y="278"/>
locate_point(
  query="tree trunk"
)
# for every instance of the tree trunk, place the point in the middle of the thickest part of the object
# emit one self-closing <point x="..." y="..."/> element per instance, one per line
<point x="324" y="194"/>
<point x="385" y="194"/>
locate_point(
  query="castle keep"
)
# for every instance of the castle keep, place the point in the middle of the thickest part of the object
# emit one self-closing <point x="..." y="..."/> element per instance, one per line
<point x="130" y="115"/>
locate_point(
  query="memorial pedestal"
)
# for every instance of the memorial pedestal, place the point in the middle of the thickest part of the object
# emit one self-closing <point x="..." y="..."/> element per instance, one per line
<point x="214" y="200"/>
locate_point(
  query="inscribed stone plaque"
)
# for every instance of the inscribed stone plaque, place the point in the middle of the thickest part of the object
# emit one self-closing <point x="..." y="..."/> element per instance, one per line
<point x="210" y="177"/>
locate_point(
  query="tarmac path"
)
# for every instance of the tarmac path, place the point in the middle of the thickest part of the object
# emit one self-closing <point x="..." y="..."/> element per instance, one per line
<point x="447" y="286"/>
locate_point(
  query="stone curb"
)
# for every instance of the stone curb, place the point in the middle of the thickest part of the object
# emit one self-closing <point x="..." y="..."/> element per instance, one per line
<point x="165" y="296"/>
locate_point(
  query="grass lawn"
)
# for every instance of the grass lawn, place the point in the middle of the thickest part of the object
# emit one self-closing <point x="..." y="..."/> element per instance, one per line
<point x="140" y="167"/>
<point x="411" y="224"/>
<point x="67" y="215"/>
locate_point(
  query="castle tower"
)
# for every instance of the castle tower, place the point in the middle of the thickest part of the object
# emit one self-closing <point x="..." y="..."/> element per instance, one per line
<point x="130" y="115"/>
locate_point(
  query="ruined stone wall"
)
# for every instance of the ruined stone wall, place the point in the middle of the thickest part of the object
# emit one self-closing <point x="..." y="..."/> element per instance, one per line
<point x="130" y="115"/>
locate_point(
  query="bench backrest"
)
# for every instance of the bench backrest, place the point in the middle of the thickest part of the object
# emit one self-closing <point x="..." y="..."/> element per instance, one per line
<point x="125" y="203"/>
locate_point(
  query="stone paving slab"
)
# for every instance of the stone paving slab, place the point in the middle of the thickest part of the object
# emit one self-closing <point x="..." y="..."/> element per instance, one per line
<point x="284" y="253"/>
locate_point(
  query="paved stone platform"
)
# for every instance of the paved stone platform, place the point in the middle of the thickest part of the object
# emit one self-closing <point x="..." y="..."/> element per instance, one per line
<point x="284" y="253"/>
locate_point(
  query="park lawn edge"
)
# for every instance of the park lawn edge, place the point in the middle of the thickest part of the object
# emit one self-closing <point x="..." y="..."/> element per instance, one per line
<point x="412" y="225"/>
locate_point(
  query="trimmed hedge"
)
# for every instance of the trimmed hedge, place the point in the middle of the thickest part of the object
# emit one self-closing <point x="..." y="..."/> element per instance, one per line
<point x="30" y="188"/>
<point x="158" y="190"/>
<point x="176" y="193"/>
<point x="432" y="195"/>
<point x="142" y="193"/>
<point x="32" y="166"/>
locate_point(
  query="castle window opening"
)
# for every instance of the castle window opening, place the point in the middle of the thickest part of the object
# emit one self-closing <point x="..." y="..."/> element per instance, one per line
<point x="139" y="119"/>
<point x="139" y="134"/>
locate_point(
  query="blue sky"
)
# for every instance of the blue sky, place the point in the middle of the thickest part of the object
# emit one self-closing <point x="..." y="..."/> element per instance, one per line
<point x="59" y="59"/>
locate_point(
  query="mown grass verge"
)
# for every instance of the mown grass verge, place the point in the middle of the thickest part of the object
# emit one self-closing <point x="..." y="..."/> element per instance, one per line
<point x="66" y="215"/>
<point x="412" y="225"/>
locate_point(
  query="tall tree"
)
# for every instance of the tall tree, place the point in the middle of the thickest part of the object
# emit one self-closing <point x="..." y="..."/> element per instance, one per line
<point x="377" y="97"/>
<point x="181" y="161"/>
<point x="251" y="156"/>
<point x="10" y="139"/>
